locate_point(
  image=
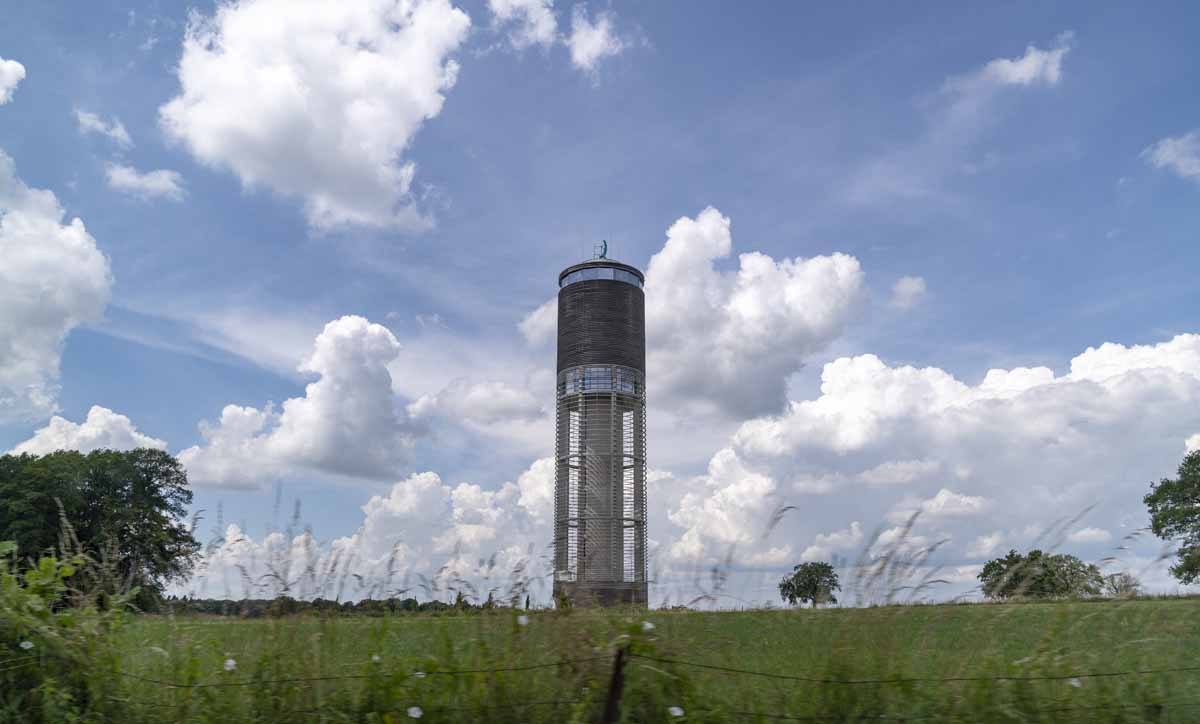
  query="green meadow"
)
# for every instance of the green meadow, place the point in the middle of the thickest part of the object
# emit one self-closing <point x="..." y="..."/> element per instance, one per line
<point x="1107" y="661"/>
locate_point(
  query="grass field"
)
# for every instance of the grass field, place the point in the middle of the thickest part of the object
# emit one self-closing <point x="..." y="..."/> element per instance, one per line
<point x="296" y="669"/>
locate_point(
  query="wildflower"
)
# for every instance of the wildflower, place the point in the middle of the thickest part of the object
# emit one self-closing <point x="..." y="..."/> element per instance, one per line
<point x="522" y="620"/>
<point x="375" y="658"/>
<point x="414" y="712"/>
<point x="230" y="665"/>
<point x="1076" y="683"/>
<point x="675" y="711"/>
<point x="647" y="626"/>
<point x="26" y="645"/>
<point x="418" y="674"/>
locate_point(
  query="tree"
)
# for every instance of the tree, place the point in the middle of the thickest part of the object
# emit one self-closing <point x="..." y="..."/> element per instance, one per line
<point x="1039" y="575"/>
<point x="810" y="582"/>
<point x="1122" y="585"/>
<point x="1174" y="507"/>
<point x="125" y="507"/>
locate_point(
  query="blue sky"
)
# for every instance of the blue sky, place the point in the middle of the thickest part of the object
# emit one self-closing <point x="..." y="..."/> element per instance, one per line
<point x="1033" y="171"/>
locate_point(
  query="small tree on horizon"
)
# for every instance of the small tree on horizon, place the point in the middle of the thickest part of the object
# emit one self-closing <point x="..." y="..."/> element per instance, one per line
<point x="812" y="582"/>
<point x="1174" y="507"/>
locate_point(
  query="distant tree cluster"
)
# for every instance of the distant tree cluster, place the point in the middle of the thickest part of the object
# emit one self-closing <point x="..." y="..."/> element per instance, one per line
<point x="1040" y="575"/>
<point x="123" y="509"/>
<point x="288" y="606"/>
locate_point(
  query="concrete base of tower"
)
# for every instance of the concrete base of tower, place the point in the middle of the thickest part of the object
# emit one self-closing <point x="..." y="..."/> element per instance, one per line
<point x="602" y="594"/>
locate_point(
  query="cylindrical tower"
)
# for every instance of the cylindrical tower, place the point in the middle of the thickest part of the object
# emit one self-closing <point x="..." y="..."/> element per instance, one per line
<point x="600" y="440"/>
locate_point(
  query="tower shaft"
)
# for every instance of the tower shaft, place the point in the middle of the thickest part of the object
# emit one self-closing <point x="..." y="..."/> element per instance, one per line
<point x="600" y="445"/>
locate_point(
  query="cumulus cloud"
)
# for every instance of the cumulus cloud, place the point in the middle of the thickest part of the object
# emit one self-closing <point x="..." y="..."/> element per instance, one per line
<point x="984" y="545"/>
<point x="347" y="423"/>
<point x="1192" y="443"/>
<point x="11" y="75"/>
<point x="480" y="403"/>
<point x="530" y="22"/>
<point x="539" y="326"/>
<point x="1178" y="154"/>
<point x="422" y="537"/>
<point x="1020" y="450"/>
<point x="162" y="184"/>
<point x="1090" y="535"/>
<point x="732" y="338"/>
<point x="825" y="544"/>
<point x="318" y="100"/>
<point x="52" y="279"/>
<point x="114" y="130"/>
<point x="899" y="472"/>
<point x="728" y="340"/>
<point x="102" y="429"/>
<point x="592" y="40"/>
<point x="907" y="292"/>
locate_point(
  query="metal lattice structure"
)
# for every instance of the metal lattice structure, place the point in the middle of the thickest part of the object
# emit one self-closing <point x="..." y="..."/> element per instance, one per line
<point x="600" y="445"/>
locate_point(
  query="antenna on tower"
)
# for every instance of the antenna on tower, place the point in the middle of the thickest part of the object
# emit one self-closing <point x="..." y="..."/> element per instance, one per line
<point x="600" y="251"/>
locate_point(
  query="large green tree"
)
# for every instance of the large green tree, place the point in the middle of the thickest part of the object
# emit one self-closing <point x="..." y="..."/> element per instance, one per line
<point x="125" y="507"/>
<point x="1040" y="575"/>
<point x="810" y="583"/>
<point x="1174" y="507"/>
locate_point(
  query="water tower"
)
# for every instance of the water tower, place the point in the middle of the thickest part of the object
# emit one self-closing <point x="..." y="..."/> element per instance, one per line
<point x="600" y="438"/>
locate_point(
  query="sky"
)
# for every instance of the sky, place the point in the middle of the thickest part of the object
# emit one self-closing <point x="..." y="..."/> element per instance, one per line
<point x="931" y="259"/>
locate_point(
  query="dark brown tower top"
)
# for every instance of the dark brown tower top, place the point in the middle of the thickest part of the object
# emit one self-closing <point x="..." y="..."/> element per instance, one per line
<point x="601" y="315"/>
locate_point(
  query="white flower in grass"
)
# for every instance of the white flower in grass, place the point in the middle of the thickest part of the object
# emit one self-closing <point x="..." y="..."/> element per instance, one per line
<point x="675" y="711"/>
<point x="418" y="674"/>
<point x="1076" y="683"/>
<point x="26" y="645"/>
<point x="647" y="626"/>
<point x="230" y="665"/>
<point x="375" y="658"/>
<point x="414" y="712"/>
<point x="522" y="620"/>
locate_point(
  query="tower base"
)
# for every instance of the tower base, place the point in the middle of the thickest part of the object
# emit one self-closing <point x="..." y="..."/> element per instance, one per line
<point x="601" y="594"/>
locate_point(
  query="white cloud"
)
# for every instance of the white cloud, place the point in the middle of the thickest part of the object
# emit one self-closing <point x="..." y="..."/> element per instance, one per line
<point x="590" y="40"/>
<point x="532" y="22"/>
<point x="102" y="429"/>
<point x="1026" y="446"/>
<point x="1035" y="67"/>
<point x="347" y="423"/>
<point x="114" y="129"/>
<point x="11" y="75"/>
<point x="729" y="506"/>
<point x="907" y="292"/>
<point x="540" y="325"/>
<point x="318" y="100"/>
<point x="959" y="115"/>
<point x="52" y="279"/>
<point x="149" y="185"/>
<point x="732" y="338"/>
<point x="1180" y="154"/>
<point x="482" y="403"/>
<point x="898" y="472"/>
<point x="420" y="527"/>
<point x="985" y="545"/>
<point x="946" y="503"/>
<point x="727" y="341"/>
<point x="1192" y="444"/>
<point x="824" y="545"/>
<point x="1090" y="535"/>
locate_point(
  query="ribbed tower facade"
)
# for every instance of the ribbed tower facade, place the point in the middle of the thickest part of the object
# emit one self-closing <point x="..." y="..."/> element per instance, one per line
<point x="600" y="441"/>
